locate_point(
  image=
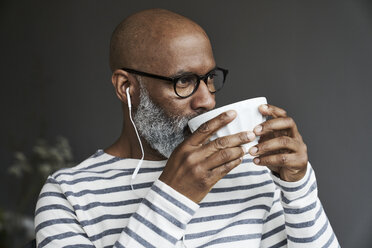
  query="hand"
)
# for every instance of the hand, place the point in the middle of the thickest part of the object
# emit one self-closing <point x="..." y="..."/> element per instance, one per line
<point x="196" y="164"/>
<point x="280" y="147"/>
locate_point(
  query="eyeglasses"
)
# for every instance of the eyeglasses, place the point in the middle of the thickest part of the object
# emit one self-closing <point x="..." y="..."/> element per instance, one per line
<point x="186" y="84"/>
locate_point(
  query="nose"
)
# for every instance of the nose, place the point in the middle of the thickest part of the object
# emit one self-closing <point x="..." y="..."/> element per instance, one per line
<point x="202" y="100"/>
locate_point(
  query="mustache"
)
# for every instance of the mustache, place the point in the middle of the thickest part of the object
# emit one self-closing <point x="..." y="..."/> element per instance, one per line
<point x="197" y="113"/>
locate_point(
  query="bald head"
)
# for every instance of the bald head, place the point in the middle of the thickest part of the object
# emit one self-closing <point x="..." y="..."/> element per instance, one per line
<point x="146" y="40"/>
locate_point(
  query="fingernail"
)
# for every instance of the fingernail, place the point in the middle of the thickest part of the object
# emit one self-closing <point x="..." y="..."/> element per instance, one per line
<point x="258" y="129"/>
<point x="251" y="136"/>
<point x="253" y="150"/>
<point x="231" y="113"/>
<point x="264" y="107"/>
<point x="256" y="160"/>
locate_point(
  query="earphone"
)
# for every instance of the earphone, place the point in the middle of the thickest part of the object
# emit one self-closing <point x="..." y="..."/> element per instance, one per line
<point x="139" y="140"/>
<point x="128" y="97"/>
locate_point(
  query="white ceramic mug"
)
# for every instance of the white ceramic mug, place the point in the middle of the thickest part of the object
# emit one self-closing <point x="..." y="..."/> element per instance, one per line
<point x="247" y="118"/>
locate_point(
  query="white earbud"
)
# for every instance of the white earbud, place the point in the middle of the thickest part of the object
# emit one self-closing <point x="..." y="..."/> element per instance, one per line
<point x="128" y="96"/>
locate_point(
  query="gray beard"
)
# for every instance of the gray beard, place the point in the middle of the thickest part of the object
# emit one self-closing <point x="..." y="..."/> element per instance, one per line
<point x="161" y="131"/>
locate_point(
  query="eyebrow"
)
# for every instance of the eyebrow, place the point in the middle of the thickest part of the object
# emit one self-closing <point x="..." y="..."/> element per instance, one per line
<point x="183" y="72"/>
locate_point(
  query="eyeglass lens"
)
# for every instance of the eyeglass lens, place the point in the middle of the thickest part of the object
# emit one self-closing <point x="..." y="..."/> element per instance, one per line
<point x="186" y="84"/>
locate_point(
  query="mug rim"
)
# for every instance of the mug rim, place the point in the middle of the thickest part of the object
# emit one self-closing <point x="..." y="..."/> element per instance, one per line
<point x="225" y="108"/>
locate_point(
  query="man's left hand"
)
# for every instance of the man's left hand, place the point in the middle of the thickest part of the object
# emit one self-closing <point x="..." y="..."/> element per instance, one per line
<point x="280" y="147"/>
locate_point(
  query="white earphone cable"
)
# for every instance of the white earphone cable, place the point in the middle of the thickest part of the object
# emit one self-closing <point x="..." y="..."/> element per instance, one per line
<point x="139" y="140"/>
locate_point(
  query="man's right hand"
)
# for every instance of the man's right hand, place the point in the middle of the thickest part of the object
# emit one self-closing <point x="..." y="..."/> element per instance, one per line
<point x="196" y="164"/>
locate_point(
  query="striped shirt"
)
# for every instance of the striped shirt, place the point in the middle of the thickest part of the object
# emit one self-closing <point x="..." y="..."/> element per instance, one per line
<point x="93" y="205"/>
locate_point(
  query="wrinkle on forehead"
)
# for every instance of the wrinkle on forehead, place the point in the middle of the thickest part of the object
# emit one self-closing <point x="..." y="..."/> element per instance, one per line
<point x="152" y="38"/>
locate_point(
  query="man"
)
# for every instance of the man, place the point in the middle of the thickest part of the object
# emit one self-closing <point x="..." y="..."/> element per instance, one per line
<point x="188" y="192"/>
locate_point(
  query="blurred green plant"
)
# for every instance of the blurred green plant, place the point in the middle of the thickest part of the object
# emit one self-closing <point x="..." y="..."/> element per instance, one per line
<point x="30" y="172"/>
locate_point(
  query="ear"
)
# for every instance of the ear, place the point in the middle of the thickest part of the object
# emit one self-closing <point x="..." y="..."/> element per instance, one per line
<point x="121" y="81"/>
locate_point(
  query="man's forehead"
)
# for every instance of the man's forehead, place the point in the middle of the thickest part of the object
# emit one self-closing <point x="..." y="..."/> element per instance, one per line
<point x="187" y="52"/>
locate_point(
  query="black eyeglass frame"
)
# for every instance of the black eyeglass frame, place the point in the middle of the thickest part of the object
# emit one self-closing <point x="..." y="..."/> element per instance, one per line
<point x="174" y="80"/>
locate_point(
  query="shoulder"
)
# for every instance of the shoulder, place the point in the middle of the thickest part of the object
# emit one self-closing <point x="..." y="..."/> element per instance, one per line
<point x="89" y="174"/>
<point x="99" y="162"/>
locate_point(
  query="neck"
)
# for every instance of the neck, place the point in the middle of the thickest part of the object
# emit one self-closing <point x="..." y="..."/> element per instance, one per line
<point x="127" y="145"/>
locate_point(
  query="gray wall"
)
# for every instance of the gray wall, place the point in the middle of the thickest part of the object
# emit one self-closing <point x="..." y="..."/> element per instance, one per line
<point x="313" y="58"/>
